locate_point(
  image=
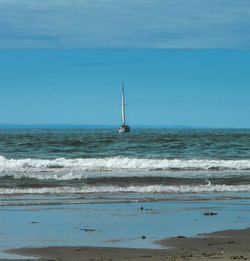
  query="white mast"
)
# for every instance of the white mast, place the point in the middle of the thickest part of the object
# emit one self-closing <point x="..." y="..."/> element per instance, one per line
<point x="123" y="106"/>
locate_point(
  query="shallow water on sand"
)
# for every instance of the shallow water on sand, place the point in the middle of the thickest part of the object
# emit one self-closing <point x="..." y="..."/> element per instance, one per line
<point x="121" y="224"/>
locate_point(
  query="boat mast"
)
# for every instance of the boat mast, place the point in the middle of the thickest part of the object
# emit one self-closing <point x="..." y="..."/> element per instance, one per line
<point x="123" y="106"/>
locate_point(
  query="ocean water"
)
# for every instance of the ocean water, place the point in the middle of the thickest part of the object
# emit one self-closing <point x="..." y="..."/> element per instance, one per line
<point x="145" y="161"/>
<point x="71" y="187"/>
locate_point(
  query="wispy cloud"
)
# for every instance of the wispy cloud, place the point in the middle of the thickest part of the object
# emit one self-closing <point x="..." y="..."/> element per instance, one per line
<point x="125" y="24"/>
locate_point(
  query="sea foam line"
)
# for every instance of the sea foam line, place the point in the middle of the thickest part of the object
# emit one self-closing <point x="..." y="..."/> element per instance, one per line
<point x="117" y="163"/>
<point x="130" y="189"/>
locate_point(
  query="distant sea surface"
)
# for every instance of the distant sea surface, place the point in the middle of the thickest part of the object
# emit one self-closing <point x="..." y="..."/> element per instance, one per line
<point x="155" y="161"/>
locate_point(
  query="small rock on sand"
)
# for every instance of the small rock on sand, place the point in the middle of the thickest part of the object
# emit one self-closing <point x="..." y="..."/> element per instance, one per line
<point x="88" y="229"/>
<point x="210" y="214"/>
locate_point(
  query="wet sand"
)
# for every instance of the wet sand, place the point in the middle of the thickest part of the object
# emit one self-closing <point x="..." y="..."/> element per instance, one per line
<point x="224" y="245"/>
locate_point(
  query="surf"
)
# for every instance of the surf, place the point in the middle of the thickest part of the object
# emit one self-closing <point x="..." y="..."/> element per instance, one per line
<point x="118" y="163"/>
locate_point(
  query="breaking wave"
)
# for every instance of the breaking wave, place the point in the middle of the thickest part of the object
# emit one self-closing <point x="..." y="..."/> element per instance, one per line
<point x="132" y="189"/>
<point x="117" y="163"/>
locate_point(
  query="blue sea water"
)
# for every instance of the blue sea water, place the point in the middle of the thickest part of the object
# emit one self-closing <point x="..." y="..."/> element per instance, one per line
<point x="68" y="161"/>
<point x="55" y="183"/>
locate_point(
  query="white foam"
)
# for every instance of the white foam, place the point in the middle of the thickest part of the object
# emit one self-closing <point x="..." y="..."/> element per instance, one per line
<point x="118" y="163"/>
<point x="66" y="169"/>
<point x="136" y="189"/>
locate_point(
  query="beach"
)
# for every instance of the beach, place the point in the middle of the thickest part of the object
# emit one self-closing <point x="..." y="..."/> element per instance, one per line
<point x="170" y="194"/>
<point x="225" y="245"/>
<point x="124" y="130"/>
<point x="137" y="229"/>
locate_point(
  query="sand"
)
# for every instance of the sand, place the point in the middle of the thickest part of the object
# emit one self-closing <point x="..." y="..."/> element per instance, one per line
<point x="224" y="245"/>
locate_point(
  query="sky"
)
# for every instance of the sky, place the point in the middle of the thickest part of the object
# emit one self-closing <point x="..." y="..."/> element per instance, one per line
<point x="182" y="62"/>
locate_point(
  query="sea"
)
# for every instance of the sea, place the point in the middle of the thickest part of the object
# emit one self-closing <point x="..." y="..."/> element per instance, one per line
<point x="145" y="161"/>
<point x="96" y="187"/>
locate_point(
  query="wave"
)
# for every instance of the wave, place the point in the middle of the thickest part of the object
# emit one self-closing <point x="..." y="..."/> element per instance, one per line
<point x="117" y="163"/>
<point x="130" y="189"/>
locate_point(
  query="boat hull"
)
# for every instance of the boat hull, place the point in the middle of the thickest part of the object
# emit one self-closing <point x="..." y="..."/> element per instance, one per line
<point x="124" y="129"/>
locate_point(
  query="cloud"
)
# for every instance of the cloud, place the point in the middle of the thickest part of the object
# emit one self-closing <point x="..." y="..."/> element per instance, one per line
<point x="125" y="24"/>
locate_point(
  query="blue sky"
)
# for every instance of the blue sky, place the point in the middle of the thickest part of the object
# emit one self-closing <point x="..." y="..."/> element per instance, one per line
<point x="182" y="62"/>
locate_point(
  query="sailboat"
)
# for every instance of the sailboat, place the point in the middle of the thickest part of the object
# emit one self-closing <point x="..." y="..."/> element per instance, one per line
<point x="124" y="128"/>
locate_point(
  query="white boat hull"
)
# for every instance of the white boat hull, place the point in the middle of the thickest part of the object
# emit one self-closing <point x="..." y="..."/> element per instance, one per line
<point x="124" y="129"/>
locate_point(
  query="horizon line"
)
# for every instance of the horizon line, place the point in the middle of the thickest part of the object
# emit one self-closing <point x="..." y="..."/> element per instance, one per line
<point x="106" y="126"/>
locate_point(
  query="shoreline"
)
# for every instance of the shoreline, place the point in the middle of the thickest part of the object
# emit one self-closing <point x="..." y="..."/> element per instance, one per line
<point x="222" y="245"/>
